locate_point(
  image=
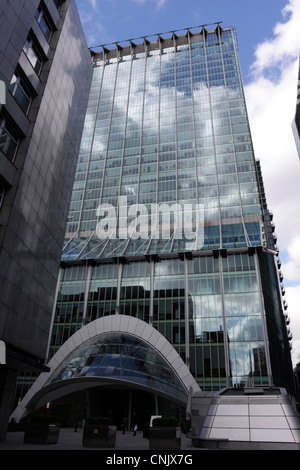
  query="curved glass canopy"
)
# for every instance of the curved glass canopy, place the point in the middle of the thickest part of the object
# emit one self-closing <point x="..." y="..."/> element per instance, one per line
<point x="234" y="236"/>
<point x="124" y="358"/>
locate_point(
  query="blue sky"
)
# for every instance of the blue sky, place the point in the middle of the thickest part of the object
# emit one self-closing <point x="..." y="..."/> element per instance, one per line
<point x="107" y="21"/>
<point x="268" y="33"/>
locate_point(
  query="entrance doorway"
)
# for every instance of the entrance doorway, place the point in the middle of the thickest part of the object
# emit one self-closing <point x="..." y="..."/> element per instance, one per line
<point x="135" y="406"/>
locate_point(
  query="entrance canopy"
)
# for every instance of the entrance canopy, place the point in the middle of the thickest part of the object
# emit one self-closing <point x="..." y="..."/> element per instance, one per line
<point x="114" y="350"/>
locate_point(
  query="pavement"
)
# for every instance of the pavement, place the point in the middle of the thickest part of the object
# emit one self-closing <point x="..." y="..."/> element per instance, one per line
<point x="71" y="440"/>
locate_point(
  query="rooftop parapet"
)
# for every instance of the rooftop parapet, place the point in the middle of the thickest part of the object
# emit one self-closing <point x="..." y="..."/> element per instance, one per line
<point x="148" y="44"/>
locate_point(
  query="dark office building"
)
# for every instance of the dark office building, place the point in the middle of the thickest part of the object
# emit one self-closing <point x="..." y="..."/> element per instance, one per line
<point x="45" y="71"/>
<point x="169" y="279"/>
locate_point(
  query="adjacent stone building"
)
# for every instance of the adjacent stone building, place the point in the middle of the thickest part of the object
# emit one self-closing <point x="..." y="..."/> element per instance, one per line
<point x="45" y="73"/>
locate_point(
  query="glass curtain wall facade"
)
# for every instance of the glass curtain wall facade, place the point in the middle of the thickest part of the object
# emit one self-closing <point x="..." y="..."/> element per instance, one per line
<point x="167" y="124"/>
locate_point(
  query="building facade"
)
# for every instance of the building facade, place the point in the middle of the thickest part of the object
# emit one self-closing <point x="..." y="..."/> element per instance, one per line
<point x="167" y="226"/>
<point x="45" y="70"/>
<point x="296" y="132"/>
<point x="296" y="121"/>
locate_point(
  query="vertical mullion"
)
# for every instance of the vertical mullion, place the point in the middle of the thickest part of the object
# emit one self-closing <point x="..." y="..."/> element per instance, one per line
<point x="213" y="137"/>
<point x="90" y="155"/>
<point x="232" y="138"/>
<point x="111" y="113"/>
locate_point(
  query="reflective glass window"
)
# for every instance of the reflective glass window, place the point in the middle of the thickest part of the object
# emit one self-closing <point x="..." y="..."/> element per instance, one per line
<point x="122" y="357"/>
<point x="33" y="54"/>
<point x="21" y="92"/>
<point x="44" y="22"/>
<point x="9" y="139"/>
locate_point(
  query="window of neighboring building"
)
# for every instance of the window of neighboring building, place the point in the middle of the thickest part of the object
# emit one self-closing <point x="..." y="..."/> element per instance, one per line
<point x="44" y="22"/>
<point x="21" y="92"/>
<point x="33" y="55"/>
<point x="2" y="192"/>
<point x="58" y="4"/>
<point x="9" y="139"/>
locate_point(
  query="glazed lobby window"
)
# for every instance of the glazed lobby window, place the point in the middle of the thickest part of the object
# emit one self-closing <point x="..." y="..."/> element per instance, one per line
<point x="21" y="92"/>
<point x="33" y="55"/>
<point x="9" y="140"/>
<point x="44" y="23"/>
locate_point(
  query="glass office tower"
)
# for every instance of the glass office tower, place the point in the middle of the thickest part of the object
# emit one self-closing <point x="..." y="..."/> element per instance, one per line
<point x="166" y="222"/>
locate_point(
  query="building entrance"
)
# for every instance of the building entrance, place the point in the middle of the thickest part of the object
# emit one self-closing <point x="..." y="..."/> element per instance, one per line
<point x="121" y="405"/>
<point x="119" y="368"/>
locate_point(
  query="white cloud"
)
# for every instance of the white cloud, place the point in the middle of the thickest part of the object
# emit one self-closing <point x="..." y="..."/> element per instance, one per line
<point x="296" y="352"/>
<point x="284" y="45"/>
<point x="93" y="4"/>
<point x="292" y="266"/>
<point x="93" y="29"/>
<point x="159" y="3"/>
<point x="96" y="18"/>
<point x="271" y="100"/>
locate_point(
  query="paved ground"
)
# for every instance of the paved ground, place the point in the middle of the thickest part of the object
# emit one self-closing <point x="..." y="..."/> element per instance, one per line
<point x="70" y="440"/>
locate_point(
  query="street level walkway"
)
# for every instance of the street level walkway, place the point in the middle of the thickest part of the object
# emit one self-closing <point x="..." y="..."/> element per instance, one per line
<point x="71" y="440"/>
